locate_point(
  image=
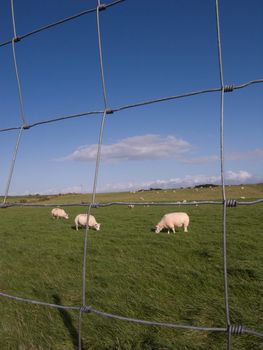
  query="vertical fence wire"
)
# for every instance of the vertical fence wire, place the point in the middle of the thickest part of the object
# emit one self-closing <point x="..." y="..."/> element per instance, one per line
<point x="97" y="166"/>
<point x="13" y="18"/>
<point x="99" y="7"/>
<point x="22" y="114"/>
<point x="14" y="40"/>
<point x="222" y="169"/>
<point x="11" y="171"/>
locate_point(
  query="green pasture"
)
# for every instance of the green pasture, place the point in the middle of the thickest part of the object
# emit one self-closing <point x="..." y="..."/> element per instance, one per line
<point x="133" y="272"/>
<point x="240" y="192"/>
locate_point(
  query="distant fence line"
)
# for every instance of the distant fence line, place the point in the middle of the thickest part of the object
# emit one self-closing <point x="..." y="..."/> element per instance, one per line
<point x="229" y="203"/>
<point x="230" y="329"/>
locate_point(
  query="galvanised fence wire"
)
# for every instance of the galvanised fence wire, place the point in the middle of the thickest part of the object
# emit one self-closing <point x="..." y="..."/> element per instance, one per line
<point x="229" y="329"/>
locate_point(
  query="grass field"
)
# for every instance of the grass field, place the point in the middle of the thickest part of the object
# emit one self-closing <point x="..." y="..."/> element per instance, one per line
<point x="133" y="272"/>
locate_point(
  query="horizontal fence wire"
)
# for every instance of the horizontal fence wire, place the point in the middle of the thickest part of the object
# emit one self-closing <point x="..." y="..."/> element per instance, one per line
<point x="133" y="105"/>
<point x="108" y="204"/>
<point x="90" y="309"/>
<point x="230" y="329"/>
<point x="64" y="20"/>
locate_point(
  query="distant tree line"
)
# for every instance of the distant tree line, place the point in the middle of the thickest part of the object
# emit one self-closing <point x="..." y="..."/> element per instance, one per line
<point x="205" y="186"/>
<point x="161" y="189"/>
<point x="150" y="189"/>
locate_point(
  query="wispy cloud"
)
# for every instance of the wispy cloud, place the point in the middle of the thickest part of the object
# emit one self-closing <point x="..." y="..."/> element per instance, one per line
<point x="255" y="154"/>
<point x="231" y="177"/>
<point x="234" y="156"/>
<point x="200" y="160"/>
<point x="134" y="148"/>
<point x="153" y="147"/>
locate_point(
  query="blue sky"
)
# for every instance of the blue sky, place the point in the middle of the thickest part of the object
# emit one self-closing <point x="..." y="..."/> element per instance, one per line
<point x="151" y="49"/>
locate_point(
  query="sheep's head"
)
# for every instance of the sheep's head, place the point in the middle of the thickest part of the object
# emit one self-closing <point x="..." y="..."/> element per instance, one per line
<point x="157" y="229"/>
<point x="97" y="227"/>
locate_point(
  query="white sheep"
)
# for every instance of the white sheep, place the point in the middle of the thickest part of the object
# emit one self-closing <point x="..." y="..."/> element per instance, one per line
<point x="59" y="213"/>
<point x="171" y="221"/>
<point x="81" y="220"/>
<point x="130" y="206"/>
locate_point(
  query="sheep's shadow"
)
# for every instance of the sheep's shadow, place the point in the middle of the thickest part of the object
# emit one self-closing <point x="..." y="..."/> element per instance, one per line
<point x="164" y="231"/>
<point x="82" y="229"/>
<point x="67" y="320"/>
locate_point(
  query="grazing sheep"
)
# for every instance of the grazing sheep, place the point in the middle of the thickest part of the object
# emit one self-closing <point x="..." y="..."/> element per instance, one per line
<point x="131" y="206"/>
<point x="81" y="220"/>
<point x="173" y="220"/>
<point x="59" y="213"/>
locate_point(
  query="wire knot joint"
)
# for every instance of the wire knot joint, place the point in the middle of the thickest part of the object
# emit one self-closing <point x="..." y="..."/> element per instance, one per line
<point x="235" y="329"/>
<point x="3" y="205"/>
<point x="102" y="7"/>
<point x="228" y="88"/>
<point x="109" y="111"/>
<point x="86" y="309"/>
<point x="95" y="205"/>
<point x="16" y="39"/>
<point x="231" y="203"/>
<point x="26" y="126"/>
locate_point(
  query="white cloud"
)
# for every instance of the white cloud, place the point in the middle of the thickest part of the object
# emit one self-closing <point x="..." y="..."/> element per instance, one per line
<point x="153" y="147"/>
<point x="134" y="148"/>
<point x="231" y="177"/>
<point x="239" y="176"/>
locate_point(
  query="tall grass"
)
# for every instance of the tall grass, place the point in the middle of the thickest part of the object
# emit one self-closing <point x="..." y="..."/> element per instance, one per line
<point x="131" y="271"/>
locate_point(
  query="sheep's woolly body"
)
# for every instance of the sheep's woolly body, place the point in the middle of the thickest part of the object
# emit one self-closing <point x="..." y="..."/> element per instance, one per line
<point x="82" y="219"/>
<point x="59" y="213"/>
<point x="172" y="220"/>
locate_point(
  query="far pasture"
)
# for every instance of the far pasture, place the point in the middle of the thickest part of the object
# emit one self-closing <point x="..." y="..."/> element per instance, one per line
<point x="131" y="271"/>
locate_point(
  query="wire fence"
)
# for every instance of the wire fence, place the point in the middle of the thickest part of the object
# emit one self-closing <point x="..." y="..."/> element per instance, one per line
<point x="230" y="329"/>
